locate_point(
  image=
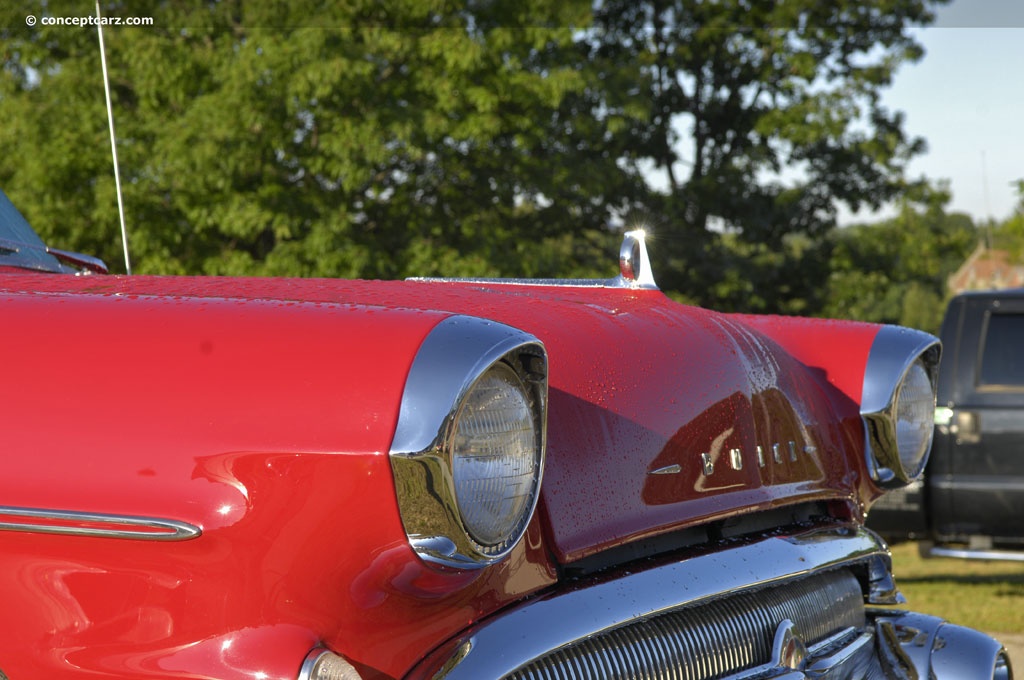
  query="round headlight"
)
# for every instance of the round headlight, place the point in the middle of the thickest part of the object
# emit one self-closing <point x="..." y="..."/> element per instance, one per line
<point x="496" y="456"/>
<point x="898" y="404"/>
<point x="914" y="412"/>
<point x="468" y="451"/>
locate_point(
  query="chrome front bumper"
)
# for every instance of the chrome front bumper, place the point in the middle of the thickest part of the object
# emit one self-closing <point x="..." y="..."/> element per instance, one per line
<point x="919" y="646"/>
<point x="740" y="613"/>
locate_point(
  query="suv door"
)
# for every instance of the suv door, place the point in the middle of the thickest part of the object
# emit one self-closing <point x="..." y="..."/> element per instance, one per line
<point x="985" y="485"/>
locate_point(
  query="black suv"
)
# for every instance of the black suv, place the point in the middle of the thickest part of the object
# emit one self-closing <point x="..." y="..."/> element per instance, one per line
<point x="971" y="501"/>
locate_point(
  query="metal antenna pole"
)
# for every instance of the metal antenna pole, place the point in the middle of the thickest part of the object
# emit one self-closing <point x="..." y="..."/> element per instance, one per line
<point x="113" y="138"/>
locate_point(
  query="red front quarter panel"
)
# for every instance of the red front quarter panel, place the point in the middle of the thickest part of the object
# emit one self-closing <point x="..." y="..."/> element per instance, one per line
<point x="127" y="396"/>
<point x="265" y="423"/>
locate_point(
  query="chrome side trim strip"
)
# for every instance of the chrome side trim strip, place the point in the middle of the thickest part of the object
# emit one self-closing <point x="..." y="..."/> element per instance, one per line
<point x="634" y="267"/>
<point x="501" y="645"/>
<point x="557" y="283"/>
<point x="96" y="525"/>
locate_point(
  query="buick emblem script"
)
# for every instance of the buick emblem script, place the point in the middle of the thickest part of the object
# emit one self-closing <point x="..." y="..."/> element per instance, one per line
<point x="777" y="454"/>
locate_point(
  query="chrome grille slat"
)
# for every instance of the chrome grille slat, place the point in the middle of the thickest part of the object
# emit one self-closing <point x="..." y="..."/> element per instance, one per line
<point x="711" y="639"/>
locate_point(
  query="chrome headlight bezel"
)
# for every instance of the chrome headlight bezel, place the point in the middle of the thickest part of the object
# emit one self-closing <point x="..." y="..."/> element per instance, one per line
<point x="901" y="361"/>
<point x="458" y="356"/>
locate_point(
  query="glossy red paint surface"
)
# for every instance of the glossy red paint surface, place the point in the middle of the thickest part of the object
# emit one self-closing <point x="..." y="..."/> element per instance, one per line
<point x="262" y="411"/>
<point x="835" y="352"/>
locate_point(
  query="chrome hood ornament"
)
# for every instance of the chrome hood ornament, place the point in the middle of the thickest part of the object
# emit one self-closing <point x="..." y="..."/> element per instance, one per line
<point x="634" y="263"/>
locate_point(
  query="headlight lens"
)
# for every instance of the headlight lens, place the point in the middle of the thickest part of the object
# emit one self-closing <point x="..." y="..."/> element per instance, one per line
<point x="915" y="409"/>
<point x="898" y="404"/>
<point x="495" y="459"/>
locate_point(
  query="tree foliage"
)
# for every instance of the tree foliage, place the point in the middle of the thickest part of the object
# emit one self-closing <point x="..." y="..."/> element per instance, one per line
<point x="761" y="118"/>
<point x="302" y="138"/>
<point x="896" y="271"/>
<point x="1009" y="234"/>
<point x="464" y="137"/>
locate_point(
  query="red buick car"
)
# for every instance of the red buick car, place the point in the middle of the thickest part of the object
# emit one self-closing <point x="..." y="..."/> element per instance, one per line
<point x="281" y="479"/>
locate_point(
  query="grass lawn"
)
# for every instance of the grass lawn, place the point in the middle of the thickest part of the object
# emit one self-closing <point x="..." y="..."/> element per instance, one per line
<point x="988" y="596"/>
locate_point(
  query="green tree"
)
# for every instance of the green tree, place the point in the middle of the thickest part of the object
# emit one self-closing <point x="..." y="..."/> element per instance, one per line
<point x="311" y="138"/>
<point x="1009" y="234"/>
<point x="463" y="137"/>
<point x="896" y="271"/>
<point x="760" y="118"/>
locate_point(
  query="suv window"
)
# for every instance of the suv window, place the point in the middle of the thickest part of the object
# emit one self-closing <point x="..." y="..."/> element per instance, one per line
<point x="1002" y="352"/>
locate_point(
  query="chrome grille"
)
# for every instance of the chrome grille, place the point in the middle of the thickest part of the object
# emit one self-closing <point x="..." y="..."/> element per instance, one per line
<point x="709" y="640"/>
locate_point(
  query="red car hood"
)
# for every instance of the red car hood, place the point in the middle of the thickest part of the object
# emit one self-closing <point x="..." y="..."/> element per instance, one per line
<point x="661" y="415"/>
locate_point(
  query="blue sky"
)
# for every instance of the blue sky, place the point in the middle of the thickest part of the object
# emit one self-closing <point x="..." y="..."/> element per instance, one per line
<point x="966" y="98"/>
